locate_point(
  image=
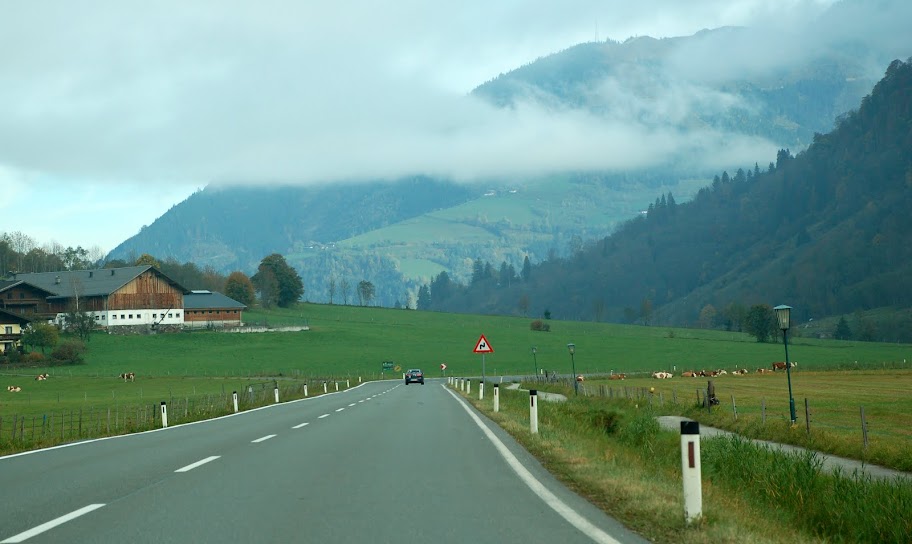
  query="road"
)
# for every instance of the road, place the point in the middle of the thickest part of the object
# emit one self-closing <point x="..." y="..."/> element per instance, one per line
<point x="381" y="462"/>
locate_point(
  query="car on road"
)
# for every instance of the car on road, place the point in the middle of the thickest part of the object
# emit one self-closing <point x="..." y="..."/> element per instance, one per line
<point x="414" y="375"/>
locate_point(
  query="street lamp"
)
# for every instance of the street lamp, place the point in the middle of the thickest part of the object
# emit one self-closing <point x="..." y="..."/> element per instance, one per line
<point x="535" y="359"/>
<point x="782" y="315"/>
<point x="572" y="348"/>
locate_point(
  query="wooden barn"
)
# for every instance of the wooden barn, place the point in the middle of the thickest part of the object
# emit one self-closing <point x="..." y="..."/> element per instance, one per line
<point x="207" y="309"/>
<point x="129" y="296"/>
<point x="11" y="326"/>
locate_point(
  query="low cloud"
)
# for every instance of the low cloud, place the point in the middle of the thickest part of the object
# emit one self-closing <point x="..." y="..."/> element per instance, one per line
<point x="292" y="93"/>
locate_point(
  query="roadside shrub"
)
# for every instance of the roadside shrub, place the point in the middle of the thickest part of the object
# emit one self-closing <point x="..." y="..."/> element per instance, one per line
<point x="640" y="430"/>
<point x="34" y="357"/>
<point x="539" y="325"/>
<point x="69" y="351"/>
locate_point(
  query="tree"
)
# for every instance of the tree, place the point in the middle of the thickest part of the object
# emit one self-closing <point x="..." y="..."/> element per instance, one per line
<point x="345" y="289"/>
<point x="80" y="324"/>
<point x="40" y="335"/>
<point x="524" y="304"/>
<point x="268" y="287"/>
<point x="424" y="298"/>
<point x="761" y="322"/>
<point x="646" y="311"/>
<point x="146" y="259"/>
<point x="708" y="316"/>
<point x="239" y="287"/>
<point x="290" y="288"/>
<point x="331" y="288"/>
<point x="526" y="269"/>
<point x="842" y="332"/>
<point x="365" y="292"/>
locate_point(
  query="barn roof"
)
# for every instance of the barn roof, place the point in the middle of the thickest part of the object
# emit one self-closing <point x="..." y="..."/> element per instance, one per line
<point x="88" y="283"/>
<point x="206" y="300"/>
<point x="10" y="317"/>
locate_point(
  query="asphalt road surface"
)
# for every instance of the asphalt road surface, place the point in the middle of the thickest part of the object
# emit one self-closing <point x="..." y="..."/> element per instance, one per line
<point x="381" y="462"/>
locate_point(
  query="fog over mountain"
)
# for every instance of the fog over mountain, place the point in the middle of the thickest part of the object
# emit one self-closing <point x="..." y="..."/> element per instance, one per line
<point x="105" y="103"/>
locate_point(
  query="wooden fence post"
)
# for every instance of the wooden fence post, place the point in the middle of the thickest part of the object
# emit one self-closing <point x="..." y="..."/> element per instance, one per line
<point x="864" y="428"/>
<point x="807" y="416"/>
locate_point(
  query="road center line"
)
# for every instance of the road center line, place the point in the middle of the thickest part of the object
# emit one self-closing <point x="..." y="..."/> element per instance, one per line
<point x="324" y="415"/>
<point x="198" y="463"/>
<point x="340" y="409"/>
<point x="563" y="509"/>
<point x="265" y="438"/>
<point x="301" y="425"/>
<point x="350" y="405"/>
<point x="25" y="535"/>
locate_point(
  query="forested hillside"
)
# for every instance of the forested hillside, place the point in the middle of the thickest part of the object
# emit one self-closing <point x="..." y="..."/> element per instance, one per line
<point x="828" y="232"/>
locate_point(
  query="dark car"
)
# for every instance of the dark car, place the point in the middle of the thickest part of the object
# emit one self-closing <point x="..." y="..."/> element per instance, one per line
<point x="414" y="375"/>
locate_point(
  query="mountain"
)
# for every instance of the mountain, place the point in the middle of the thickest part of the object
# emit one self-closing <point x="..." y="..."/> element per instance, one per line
<point x="399" y="234"/>
<point x="828" y="232"/>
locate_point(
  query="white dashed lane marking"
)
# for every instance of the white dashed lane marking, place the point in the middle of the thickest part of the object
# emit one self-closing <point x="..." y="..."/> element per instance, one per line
<point x="299" y="426"/>
<point x="192" y="466"/>
<point x="350" y="405"/>
<point x="324" y="415"/>
<point x="340" y="409"/>
<point x="25" y="535"/>
<point x="263" y="439"/>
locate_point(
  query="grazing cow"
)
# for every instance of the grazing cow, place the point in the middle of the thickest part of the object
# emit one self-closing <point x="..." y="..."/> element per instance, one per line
<point x="689" y="374"/>
<point x="42" y="377"/>
<point x="617" y="376"/>
<point x="13" y="388"/>
<point x="661" y="375"/>
<point x="778" y="366"/>
<point x="763" y="370"/>
<point x="128" y="376"/>
<point x="580" y="378"/>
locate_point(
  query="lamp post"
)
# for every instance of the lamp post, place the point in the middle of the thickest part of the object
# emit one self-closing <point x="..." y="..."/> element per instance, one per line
<point x="782" y="315"/>
<point x="535" y="359"/>
<point x="572" y="348"/>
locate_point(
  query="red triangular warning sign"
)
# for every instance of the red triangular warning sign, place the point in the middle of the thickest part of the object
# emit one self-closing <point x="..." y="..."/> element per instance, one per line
<point x="483" y="346"/>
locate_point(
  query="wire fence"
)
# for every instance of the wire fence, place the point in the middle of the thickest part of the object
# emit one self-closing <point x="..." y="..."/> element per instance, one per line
<point x="24" y="432"/>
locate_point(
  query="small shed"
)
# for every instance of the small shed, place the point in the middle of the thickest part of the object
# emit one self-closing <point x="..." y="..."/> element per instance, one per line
<point x="208" y="309"/>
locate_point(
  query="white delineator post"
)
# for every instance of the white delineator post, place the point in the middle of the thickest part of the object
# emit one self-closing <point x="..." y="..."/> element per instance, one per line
<point x="347" y="384"/>
<point x="496" y="398"/>
<point x="481" y="390"/>
<point x="324" y="387"/>
<point x="690" y="470"/>
<point x="277" y="394"/>
<point x="305" y="389"/>
<point x="468" y="387"/>
<point x="235" y="399"/>
<point x="533" y="411"/>
<point x="164" y="409"/>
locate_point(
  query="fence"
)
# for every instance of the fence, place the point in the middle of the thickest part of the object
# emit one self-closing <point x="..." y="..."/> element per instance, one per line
<point x="23" y="432"/>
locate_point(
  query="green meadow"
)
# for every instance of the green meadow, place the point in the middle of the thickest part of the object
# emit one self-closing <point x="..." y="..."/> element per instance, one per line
<point x="348" y="343"/>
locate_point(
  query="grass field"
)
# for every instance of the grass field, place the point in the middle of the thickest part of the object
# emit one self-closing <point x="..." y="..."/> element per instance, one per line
<point x="346" y="342"/>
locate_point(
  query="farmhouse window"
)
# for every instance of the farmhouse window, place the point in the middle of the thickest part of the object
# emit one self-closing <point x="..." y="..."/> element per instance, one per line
<point x="154" y="316"/>
<point x="169" y="315"/>
<point x="9" y="330"/>
<point x="177" y="314"/>
<point x="131" y="316"/>
<point x="114" y="316"/>
<point x="122" y="316"/>
<point x="21" y="295"/>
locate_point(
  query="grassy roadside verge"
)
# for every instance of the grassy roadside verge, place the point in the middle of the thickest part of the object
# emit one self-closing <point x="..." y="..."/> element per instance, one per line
<point x="616" y="455"/>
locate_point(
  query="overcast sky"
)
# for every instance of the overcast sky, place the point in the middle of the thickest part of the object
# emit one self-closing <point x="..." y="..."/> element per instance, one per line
<point x="113" y="111"/>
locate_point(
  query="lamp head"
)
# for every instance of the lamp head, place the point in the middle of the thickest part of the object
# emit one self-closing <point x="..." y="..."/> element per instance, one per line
<point x="782" y="315"/>
<point x="572" y="348"/>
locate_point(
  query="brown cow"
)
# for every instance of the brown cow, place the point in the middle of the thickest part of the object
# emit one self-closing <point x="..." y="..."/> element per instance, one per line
<point x="617" y="376"/>
<point x="778" y="366"/>
<point x="128" y="376"/>
<point x="689" y="374"/>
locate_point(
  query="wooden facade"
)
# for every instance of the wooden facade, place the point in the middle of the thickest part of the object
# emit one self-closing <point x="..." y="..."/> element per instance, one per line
<point x="129" y="296"/>
<point x="24" y="299"/>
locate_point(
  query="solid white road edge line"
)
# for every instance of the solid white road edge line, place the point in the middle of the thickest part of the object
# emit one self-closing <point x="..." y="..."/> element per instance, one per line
<point x="301" y="425"/>
<point x="565" y="511"/>
<point x="51" y="524"/>
<point x="164" y="429"/>
<point x="263" y="439"/>
<point x="192" y="466"/>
